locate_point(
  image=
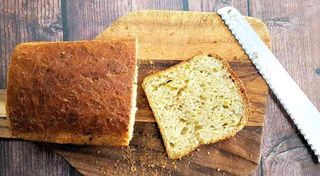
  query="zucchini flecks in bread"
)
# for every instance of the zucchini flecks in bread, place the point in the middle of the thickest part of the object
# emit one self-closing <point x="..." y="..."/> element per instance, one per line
<point x="199" y="101"/>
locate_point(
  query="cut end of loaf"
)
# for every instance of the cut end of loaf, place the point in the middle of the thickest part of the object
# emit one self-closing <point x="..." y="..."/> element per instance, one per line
<point x="133" y="104"/>
<point x="196" y="102"/>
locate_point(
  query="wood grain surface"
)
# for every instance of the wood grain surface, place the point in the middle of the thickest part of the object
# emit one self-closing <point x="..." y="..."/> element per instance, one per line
<point x="214" y="5"/>
<point x="162" y="36"/>
<point x="293" y="26"/>
<point x="146" y="156"/>
<point x="32" y="21"/>
<point x="86" y="19"/>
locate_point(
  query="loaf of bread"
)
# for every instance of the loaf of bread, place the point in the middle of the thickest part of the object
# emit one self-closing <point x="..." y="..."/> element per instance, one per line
<point x="73" y="92"/>
<point x="199" y="101"/>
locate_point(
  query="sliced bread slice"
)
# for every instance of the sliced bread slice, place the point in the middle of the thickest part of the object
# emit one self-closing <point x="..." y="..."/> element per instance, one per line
<point x="199" y="101"/>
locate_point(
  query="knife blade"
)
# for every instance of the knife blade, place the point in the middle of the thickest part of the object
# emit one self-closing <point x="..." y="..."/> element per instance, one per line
<point x="303" y="113"/>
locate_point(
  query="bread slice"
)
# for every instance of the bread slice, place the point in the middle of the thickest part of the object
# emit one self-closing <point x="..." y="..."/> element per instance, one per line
<point x="73" y="92"/>
<point x="199" y="101"/>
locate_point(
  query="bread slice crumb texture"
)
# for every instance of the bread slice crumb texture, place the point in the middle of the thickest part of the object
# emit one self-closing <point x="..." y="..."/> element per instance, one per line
<point x="196" y="102"/>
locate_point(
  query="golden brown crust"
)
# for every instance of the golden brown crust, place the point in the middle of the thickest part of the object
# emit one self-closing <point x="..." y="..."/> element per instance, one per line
<point x="239" y="85"/>
<point x="72" y="92"/>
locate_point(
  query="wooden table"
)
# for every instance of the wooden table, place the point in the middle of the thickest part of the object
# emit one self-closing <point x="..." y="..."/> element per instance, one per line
<point x="293" y="25"/>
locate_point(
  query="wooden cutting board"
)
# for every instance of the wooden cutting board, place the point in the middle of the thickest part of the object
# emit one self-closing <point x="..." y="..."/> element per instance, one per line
<point x="165" y="38"/>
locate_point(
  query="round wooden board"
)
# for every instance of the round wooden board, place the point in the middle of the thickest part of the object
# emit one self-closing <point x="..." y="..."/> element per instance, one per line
<point x="164" y="39"/>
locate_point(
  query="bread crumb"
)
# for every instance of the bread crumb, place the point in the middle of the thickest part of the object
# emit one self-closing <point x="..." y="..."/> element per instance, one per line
<point x="133" y="168"/>
<point x="163" y="164"/>
<point x="174" y="164"/>
<point x="218" y="169"/>
<point x="198" y="149"/>
<point x="103" y="172"/>
<point x="208" y="153"/>
<point x="98" y="151"/>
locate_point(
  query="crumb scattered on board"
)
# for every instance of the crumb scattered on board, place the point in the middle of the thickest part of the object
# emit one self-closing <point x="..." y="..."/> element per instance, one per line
<point x="129" y="162"/>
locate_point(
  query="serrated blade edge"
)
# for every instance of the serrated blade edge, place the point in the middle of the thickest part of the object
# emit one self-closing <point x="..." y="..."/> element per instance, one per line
<point x="303" y="113"/>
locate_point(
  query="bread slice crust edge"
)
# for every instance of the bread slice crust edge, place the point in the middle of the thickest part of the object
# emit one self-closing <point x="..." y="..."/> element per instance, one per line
<point x="237" y="81"/>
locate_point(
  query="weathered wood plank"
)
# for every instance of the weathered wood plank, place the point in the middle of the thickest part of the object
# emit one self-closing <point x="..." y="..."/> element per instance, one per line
<point x="86" y="19"/>
<point x="21" y="21"/>
<point x="293" y="26"/>
<point x="281" y="24"/>
<point x="29" y="158"/>
<point x="214" y="5"/>
<point x="36" y="20"/>
<point x="158" y="5"/>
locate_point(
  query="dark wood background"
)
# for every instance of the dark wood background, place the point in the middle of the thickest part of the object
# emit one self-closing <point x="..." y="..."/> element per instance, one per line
<point x="294" y="26"/>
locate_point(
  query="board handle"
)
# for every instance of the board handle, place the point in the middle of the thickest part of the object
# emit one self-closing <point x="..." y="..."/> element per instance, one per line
<point x="4" y="121"/>
<point x="3" y="97"/>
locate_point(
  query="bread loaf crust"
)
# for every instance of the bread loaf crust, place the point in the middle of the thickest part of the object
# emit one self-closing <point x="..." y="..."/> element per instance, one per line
<point x="72" y="92"/>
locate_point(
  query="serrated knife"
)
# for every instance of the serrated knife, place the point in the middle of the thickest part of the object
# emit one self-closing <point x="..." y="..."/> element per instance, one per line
<point x="304" y="114"/>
